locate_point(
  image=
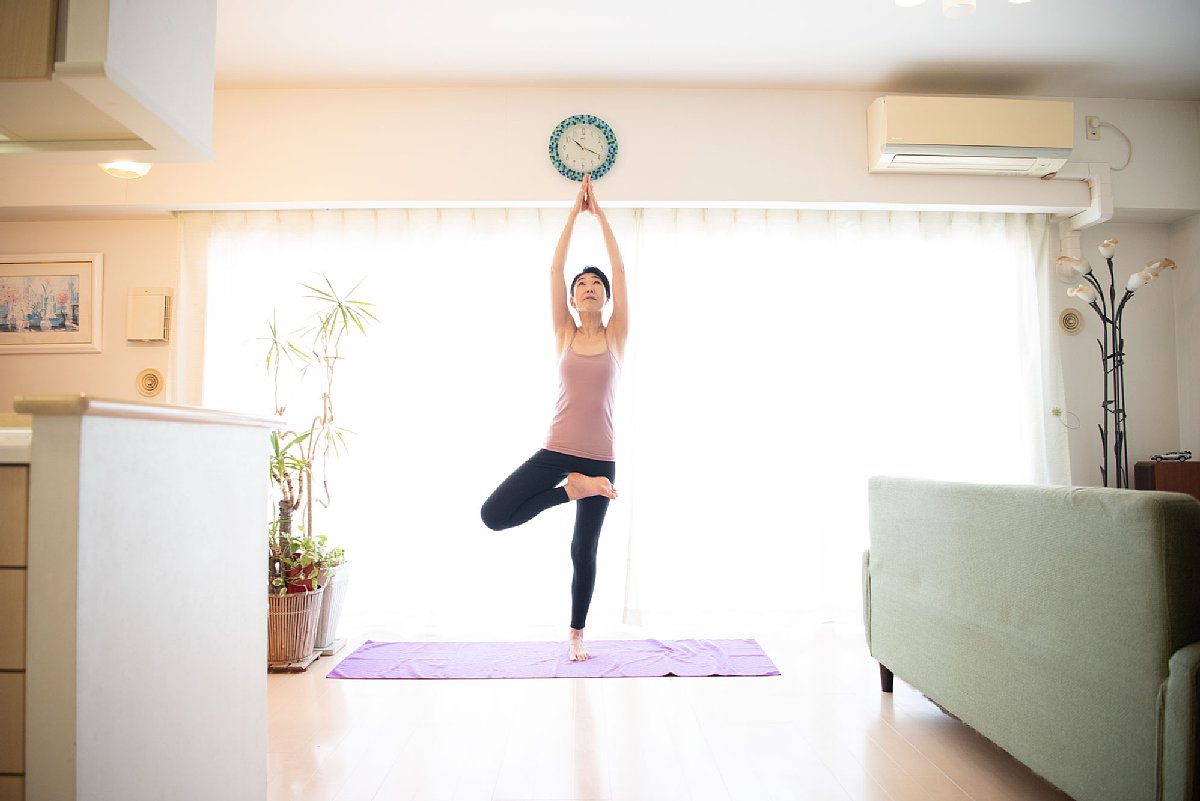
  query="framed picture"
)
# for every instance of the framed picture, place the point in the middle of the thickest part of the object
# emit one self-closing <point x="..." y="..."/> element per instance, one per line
<point x="50" y="303"/>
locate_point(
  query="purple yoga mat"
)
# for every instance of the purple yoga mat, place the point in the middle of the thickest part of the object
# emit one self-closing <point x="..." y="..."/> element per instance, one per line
<point x="548" y="660"/>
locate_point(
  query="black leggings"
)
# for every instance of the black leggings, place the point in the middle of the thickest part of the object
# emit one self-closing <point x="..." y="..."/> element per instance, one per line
<point x="532" y="489"/>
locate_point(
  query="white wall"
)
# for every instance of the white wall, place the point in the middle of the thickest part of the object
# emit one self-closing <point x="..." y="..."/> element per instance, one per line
<point x="1164" y="173"/>
<point x="1184" y="246"/>
<point x="395" y="147"/>
<point x="137" y="253"/>
<point x="693" y="147"/>
<point x="389" y="146"/>
<point x="1150" y="354"/>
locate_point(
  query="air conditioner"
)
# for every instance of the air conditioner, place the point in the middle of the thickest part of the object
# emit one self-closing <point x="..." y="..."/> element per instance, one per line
<point x="969" y="135"/>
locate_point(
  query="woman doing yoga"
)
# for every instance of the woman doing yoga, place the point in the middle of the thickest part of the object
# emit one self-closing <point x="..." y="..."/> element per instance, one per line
<point x="579" y="446"/>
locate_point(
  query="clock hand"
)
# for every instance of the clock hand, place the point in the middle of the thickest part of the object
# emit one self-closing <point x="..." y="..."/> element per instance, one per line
<point x="577" y="144"/>
<point x="588" y="149"/>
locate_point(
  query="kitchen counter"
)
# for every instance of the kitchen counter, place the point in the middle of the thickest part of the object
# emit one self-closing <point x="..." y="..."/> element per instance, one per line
<point x="15" y="445"/>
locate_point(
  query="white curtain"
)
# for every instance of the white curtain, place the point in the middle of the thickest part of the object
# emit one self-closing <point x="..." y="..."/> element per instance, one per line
<point x="797" y="354"/>
<point x="776" y="360"/>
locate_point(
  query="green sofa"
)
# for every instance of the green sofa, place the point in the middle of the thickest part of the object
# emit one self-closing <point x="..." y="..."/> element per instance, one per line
<point x="1062" y="623"/>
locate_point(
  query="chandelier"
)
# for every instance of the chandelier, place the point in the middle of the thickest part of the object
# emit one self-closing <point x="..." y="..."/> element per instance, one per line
<point x="954" y="9"/>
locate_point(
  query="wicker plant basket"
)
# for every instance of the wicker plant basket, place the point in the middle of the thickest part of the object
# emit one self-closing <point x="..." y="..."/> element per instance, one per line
<point x="292" y="625"/>
<point x="331" y="606"/>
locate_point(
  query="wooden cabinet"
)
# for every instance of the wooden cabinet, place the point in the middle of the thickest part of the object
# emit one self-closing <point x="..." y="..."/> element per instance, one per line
<point x="14" y="524"/>
<point x="1168" y="477"/>
<point x="14" y="514"/>
<point x="12" y="788"/>
<point x="12" y="620"/>
<point x="30" y="50"/>
<point x="12" y="723"/>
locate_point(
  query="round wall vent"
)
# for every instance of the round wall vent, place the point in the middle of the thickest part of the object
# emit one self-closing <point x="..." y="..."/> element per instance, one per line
<point x="1070" y="321"/>
<point x="150" y="382"/>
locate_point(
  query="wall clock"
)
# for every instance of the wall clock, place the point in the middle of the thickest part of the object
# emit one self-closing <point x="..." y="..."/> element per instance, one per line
<point x="583" y="145"/>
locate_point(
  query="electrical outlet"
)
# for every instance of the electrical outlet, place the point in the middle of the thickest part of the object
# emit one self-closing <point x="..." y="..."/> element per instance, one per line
<point x="1093" y="127"/>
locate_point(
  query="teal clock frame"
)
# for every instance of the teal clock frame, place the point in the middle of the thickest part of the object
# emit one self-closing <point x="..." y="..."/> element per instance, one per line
<point x="585" y="119"/>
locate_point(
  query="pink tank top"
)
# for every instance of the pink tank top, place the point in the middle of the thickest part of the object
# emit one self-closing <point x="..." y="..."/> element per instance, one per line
<point x="583" y="416"/>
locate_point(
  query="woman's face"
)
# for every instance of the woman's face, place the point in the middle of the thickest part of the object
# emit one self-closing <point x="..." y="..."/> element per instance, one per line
<point x="588" y="294"/>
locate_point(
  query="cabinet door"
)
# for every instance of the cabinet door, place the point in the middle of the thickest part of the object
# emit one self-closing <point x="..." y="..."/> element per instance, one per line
<point x="31" y="52"/>
<point x="12" y="788"/>
<point x="12" y="619"/>
<point x="12" y="722"/>
<point x="14" y="513"/>
<point x="1178" y="477"/>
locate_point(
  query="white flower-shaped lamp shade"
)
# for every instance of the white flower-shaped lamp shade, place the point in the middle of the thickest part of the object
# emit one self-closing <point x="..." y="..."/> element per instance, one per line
<point x="1158" y="265"/>
<point x="1108" y="247"/>
<point x="1084" y="292"/>
<point x="1069" y="268"/>
<point x="1138" y="280"/>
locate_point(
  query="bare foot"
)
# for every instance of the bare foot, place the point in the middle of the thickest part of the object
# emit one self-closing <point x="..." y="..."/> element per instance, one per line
<point x="575" y="644"/>
<point x="581" y="486"/>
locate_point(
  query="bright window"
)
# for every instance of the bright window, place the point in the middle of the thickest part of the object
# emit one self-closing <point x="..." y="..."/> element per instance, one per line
<point x="776" y="360"/>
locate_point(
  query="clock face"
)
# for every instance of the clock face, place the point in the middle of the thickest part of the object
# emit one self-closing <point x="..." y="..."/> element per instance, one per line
<point x="583" y="145"/>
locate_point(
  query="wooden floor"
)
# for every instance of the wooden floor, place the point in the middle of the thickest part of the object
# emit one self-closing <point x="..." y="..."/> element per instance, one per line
<point x="821" y="731"/>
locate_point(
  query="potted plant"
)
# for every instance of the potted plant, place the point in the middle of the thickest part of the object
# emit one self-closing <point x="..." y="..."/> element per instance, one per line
<point x="301" y="565"/>
<point x="338" y="577"/>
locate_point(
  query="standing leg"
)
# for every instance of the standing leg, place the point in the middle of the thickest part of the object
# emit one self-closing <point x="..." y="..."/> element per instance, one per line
<point x="589" y="517"/>
<point x="585" y="542"/>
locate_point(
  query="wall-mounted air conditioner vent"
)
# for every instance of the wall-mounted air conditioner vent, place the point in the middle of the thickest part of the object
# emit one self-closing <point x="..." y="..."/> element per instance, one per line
<point x="970" y="135"/>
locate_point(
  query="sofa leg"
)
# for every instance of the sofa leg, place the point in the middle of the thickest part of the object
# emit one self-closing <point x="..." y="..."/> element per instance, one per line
<point x="885" y="678"/>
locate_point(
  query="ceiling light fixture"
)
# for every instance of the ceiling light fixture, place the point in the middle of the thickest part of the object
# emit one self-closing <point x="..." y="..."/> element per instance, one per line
<point x="126" y="169"/>
<point x="954" y="9"/>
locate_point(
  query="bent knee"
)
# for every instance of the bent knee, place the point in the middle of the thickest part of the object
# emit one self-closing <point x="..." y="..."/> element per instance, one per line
<point x="491" y="519"/>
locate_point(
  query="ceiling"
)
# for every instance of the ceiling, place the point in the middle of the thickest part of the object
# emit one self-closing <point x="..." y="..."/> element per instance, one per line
<point x="1046" y="48"/>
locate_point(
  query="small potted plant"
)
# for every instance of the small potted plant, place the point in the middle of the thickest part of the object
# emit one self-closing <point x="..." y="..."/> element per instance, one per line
<point x="336" y="577"/>
<point x="301" y="565"/>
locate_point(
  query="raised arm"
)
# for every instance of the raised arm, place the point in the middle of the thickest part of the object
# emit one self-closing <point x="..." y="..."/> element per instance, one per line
<point x="618" y="322"/>
<point x="560" y="311"/>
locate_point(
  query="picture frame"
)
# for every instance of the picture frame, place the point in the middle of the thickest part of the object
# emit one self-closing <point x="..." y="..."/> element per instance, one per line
<point x="51" y="303"/>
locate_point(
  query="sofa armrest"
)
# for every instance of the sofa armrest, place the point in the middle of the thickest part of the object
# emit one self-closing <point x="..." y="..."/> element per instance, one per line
<point x="1180" y="727"/>
<point x="866" y="591"/>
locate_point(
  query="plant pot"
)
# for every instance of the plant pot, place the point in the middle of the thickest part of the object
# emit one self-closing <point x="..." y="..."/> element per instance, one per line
<point x="292" y="625"/>
<point x="331" y="605"/>
<point x="300" y="578"/>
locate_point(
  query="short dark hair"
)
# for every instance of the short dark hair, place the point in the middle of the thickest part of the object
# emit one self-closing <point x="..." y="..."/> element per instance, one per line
<point x="597" y="272"/>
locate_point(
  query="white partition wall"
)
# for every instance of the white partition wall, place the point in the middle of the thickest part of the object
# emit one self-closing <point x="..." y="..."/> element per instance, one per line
<point x="146" y="643"/>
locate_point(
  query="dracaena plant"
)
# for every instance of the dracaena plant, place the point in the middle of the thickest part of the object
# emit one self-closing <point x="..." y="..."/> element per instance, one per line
<point x="298" y="457"/>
